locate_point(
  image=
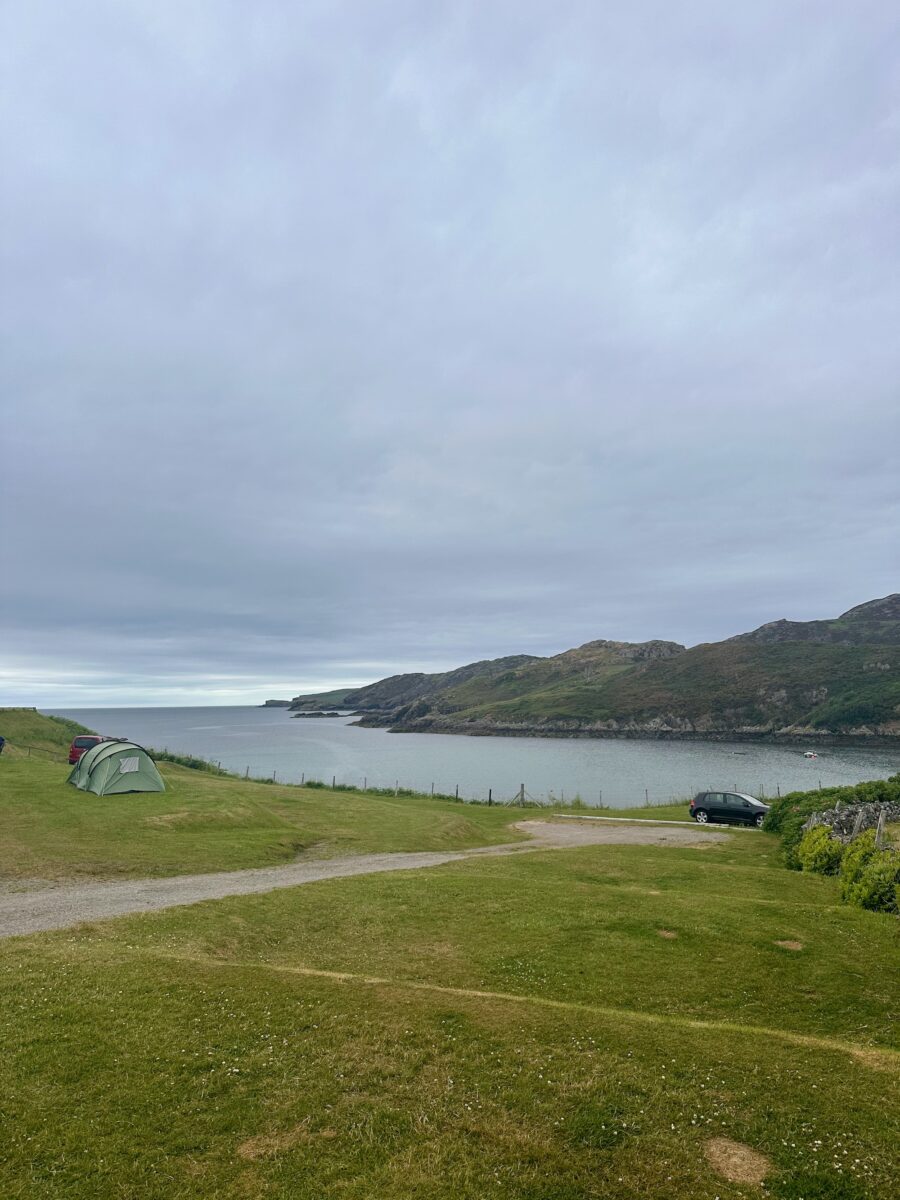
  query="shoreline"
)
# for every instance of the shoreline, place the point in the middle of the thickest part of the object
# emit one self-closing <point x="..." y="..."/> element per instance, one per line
<point x="774" y="738"/>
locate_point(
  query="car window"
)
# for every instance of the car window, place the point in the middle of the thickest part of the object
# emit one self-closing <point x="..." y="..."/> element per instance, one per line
<point x="83" y="742"/>
<point x="737" y="802"/>
<point x="714" y="798"/>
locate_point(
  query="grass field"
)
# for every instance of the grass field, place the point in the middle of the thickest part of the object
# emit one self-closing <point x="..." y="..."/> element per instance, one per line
<point x="207" y="821"/>
<point x="551" y="1026"/>
<point x="513" y="1027"/>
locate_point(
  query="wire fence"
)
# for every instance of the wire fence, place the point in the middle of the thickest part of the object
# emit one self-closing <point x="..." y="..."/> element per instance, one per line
<point x="520" y="798"/>
<point x="29" y="750"/>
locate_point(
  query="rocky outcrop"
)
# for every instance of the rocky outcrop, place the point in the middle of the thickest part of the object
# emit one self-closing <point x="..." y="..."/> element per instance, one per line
<point x="876" y="622"/>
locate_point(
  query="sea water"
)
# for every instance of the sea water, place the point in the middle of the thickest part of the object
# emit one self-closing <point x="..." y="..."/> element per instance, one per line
<point x="267" y="742"/>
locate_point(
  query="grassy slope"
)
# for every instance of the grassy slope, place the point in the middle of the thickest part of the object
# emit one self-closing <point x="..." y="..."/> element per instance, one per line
<point x="185" y="1054"/>
<point x="27" y="730"/>
<point x="730" y="681"/>
<point x="593" y="664"/>
<point x="206" y="822"/>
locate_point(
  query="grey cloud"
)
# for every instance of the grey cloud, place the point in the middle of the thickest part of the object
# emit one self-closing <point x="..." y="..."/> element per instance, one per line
<point x="357" y="338"/>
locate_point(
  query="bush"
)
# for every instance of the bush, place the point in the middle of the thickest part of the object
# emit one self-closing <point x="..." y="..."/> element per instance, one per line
<point x="787" y="814"/>
<point x="186" y="760"/>
<point x="819" y="851"/>
<point x="877" y="885"/>
<point x="855" y="860"/>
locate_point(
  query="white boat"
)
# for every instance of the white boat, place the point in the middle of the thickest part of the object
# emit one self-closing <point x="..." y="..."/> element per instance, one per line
<point x="810" y="754"/>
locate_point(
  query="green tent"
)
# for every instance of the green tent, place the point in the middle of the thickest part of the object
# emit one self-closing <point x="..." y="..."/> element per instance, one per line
<point x="110" y="768"/>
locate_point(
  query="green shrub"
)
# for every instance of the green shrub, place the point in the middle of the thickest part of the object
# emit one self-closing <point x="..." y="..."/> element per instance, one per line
<point x="855" y="860"/>
<point x="876" y="887"/>
<point x="186" y="760"/>
<point x="819" y="851"/>
<point x="787" y="814"/>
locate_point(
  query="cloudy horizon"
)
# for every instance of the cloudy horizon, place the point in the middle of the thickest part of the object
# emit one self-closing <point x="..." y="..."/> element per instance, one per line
<point x="370" y="338"/>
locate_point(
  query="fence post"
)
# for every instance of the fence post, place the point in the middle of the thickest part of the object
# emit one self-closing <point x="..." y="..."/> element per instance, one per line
<point x="273" y="776"/>
<point x="365" y="783"/>
<point x="333" y="778"/>
<point x="646" y="796"/>
<point x="880" y="839"/>
<point x="522" y="794"/>
<point x="432" y="789"/>
<point x="396" y="787"/>
<point x="490" y="798"/>
<point x="457" y="791"/>
<point x="302" y="778"/>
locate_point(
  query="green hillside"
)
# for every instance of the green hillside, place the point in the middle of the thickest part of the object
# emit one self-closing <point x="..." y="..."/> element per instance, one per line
<point x="541" y="680"/>
<point x="28" y="731"/>
<point x="399" y="690"/>
<point x="724" y="686"/>
<point x="838" y="677"/>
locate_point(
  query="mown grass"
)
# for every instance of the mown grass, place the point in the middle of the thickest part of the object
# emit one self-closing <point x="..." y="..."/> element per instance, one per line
<point x="530" y="1036"/>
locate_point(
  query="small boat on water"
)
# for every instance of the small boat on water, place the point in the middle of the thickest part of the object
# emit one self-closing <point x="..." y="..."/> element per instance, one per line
<point x="810" y="754"/>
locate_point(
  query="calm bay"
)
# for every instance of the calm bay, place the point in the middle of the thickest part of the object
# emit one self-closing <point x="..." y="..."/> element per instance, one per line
<point x="263" y="741"/>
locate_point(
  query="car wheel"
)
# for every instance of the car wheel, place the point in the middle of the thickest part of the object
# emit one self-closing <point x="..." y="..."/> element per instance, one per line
<point x="759" y="820"/>
<point x="701" y="816"/>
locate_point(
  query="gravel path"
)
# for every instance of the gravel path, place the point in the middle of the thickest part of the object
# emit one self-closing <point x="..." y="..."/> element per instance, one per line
<point x="31" y="910"/>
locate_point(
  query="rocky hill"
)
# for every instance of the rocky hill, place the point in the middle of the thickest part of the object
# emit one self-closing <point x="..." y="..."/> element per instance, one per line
<point x="318" y="700"/>
<point x="387" y="695"/>
<point x="874" y="623"/>
<point x="800" y="680"/>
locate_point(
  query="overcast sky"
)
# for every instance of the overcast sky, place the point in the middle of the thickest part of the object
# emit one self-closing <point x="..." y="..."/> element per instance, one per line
<point x="341" y="339"/>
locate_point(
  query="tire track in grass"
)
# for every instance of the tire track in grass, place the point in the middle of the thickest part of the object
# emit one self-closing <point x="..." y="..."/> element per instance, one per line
<point x="877" y="1058"/>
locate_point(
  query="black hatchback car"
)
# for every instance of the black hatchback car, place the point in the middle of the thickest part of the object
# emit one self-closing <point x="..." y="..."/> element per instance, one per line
<point x="722" y="807"/>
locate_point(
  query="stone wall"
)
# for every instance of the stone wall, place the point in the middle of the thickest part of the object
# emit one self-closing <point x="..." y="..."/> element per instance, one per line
<point x="849" y="820"/>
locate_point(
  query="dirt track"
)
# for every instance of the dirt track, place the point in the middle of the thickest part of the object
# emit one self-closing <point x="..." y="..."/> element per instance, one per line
<point x="32" y="910"/>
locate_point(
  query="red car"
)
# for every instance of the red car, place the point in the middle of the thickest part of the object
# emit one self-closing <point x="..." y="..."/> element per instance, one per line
<point x="83" y="742"/>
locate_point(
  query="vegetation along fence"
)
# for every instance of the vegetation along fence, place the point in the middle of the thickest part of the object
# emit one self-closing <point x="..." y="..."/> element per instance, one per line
<point x="521" y="798"/>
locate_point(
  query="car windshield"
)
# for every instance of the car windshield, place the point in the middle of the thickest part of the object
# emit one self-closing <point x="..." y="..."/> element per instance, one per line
<point x="83" y="742"/>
